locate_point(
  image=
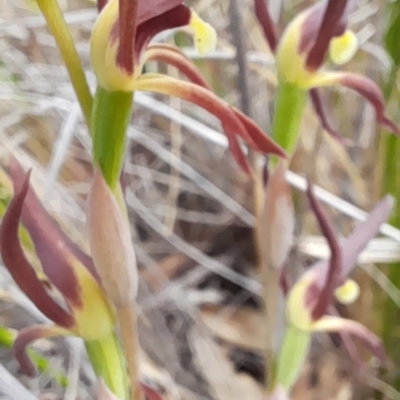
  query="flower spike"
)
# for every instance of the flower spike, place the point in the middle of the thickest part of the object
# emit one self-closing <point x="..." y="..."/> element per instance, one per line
<point x="87" y="312"/>
<point x="113" y="77"/>
<point x="300" y="55"/>
<point x="304" y="298"/>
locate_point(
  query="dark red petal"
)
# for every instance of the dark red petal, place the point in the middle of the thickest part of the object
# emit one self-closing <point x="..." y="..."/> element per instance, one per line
<point x="101" y="4"/>
<point x="252" y="135"/>
<point x="256" y="138"/>
<point x="335" y="262"/>
<point x="205" y="99"/>
<point x="33" y="208"/>
<point x="149" y="9"/>
<point x="52" y="246"/>
<point x="264" y="18"/>
<point x="323" y="118"/>
<point x="354" y="244"/>
<point x="20" y="269"/>
<point x="25" y="337"/>
<point x="127" y="17"/>
<point x="372" y="93"/>
<point x="171" y="55"/>
<point x="310" y="25"/>
<point x="175" y="18"/>
<point x="328" y="28"/>
<point x="348" y="343"/>
<point x="355" y="329"/>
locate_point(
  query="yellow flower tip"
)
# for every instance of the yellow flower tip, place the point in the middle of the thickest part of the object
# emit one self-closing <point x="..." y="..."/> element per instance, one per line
<point x="348" y="293"/>
<point x="94" y="316"/>
<point x="205" y="36"/>
<point x="297" y="312"/>
<point x="290" y="63"/>
<point x="343" y="48"/>
<point x="103" y="52"/>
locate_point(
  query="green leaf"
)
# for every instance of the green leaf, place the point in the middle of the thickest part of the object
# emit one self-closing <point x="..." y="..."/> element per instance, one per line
<point x="393" y="33"/>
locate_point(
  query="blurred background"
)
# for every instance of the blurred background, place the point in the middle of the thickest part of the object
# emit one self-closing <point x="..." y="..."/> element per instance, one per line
<point x="191" y="208"/>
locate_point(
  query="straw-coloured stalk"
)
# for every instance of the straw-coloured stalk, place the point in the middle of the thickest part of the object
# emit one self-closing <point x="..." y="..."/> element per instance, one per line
<point x="275" y="238"/>
<point x="114" y="257"/>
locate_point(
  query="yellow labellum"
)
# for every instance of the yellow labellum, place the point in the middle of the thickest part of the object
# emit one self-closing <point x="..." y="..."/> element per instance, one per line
<point x="297" y="313"/>
<point x="205" y="36"/>
<point x="343" y="48"/>
<point x="348" y="293"/>
<point x="95" y="318"/>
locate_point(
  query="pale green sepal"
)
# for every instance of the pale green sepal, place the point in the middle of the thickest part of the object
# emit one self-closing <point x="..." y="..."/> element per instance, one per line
<point x="291" y="357"/>
<point x="289" y="108"/>
<point x="109" y="364"/>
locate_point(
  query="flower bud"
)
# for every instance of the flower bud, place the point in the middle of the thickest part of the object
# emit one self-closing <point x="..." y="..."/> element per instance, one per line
<point x="111" y="244"/>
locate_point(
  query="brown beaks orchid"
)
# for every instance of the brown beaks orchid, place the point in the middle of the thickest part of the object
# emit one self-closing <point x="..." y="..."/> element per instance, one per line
<point x="78" y="305"/>
<point x="310" y="301"/>
<point x="120" y="48"/>
<point x="314" y="35"/>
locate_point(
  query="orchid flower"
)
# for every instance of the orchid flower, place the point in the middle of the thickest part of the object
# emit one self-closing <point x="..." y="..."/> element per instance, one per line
<point x="314" y="34"/>
<point x="79" y="306"/>
<point x="120" y="48"/>
<point x="309" y="304"/>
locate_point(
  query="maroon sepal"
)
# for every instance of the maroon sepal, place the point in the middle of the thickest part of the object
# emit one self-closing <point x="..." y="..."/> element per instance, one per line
<point x="265" y="20"/>
<point x="53" y="247"/>
<point x="333" y="276"/>
<point x="20" y="269"/>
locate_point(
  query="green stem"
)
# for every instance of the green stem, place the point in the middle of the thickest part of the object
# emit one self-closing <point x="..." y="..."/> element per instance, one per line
<point x="389" y="182"/>
<point x="109" y="364"/>
<point x="291" y="358"/>
<point x="110" y="120"/>
<point x="289" y="108"/>
<point x="59" y="29"/>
